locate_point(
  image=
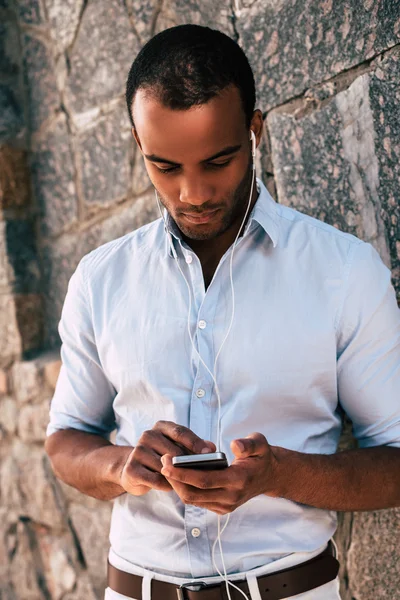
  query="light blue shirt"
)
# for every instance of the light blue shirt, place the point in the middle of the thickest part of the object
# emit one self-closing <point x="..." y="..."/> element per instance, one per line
<point x="316" y="324"/>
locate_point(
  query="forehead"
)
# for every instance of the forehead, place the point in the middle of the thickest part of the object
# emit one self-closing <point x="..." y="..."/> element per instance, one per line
<point x="180" y="134"/>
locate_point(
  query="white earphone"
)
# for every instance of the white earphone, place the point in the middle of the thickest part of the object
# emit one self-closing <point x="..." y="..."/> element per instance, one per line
<point x="253" y="145"/>
<point x="213" y="375"/>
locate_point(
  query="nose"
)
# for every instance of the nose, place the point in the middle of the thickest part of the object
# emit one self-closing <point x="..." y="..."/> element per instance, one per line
<point x="195" y="191"/>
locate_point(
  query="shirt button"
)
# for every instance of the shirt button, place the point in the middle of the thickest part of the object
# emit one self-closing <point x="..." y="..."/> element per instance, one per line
<point x="200" y="393"/>
<point x="195" y="532"/>
<point x="188" y="259"/>
<point x="202" y="324"/>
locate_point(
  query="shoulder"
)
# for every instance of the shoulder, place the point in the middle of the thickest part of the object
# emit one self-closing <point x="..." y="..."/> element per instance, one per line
<point x="326" y="243"/>
<point x="115" y="254"/>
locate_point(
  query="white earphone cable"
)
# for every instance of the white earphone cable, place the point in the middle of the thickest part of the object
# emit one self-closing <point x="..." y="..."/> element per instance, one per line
<point x="213" y="375"/>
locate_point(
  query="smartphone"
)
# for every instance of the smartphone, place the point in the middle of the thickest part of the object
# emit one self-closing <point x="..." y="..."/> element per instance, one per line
<point x="210" y="461"/>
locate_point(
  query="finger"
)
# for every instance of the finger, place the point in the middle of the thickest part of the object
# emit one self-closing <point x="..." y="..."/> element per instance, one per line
<point x="156" y="441"/>
<point x="252" y="445"/>
<point x="184" y="436"/>
<point x="137" y="476"/>
<point x="148" y="458"/>
<point x="202" y="479"/>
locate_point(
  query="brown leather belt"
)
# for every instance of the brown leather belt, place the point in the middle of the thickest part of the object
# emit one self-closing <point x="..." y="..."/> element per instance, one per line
<point x="275" y="586"/>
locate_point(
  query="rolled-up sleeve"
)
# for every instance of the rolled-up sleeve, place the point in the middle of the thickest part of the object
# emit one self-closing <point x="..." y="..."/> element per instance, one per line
<point x="368" y="365"/>
<point x="83" y="398"/>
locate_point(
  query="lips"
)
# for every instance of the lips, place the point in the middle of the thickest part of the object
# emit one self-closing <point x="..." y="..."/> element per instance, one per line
<point x="200" y="217"/>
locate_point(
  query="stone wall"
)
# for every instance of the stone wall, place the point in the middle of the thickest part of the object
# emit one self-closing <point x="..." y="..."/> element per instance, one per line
<point x="327" y="76"/>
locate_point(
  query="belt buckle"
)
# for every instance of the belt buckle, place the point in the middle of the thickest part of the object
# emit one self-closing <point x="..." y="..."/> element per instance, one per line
<point x="192" y="586"/>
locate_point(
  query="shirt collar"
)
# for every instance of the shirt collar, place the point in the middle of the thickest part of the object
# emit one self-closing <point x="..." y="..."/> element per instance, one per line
<point x="263" y="212"/>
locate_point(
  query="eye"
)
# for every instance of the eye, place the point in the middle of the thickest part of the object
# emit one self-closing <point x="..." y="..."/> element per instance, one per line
<point x="211" y="165"/>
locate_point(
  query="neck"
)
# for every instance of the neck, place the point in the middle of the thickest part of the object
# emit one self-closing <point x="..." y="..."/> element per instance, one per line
<point x="215" y="248"/>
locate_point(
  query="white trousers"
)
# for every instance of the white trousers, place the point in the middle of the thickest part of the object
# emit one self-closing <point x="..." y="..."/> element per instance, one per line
<point x="328" y="591"/>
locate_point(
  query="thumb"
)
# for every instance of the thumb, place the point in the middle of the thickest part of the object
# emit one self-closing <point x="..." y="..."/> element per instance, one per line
<point x="254" y="444"/>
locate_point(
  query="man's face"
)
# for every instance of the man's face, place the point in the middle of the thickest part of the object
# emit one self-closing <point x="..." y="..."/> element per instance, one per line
<point x="184" y="143"/>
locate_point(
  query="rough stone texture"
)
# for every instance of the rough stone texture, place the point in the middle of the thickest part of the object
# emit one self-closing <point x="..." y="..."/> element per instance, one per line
<point x="372" y="576"/>
<point x="9" y="58"/>
<point x="32" y="422"/>
<point x="23" y="271"/>
<point x="292" y="45"/>
<point x="40" y="81"/>
<point x="11" y="118"/>
<point x="217" y="15"/>
<point x="8" y="416"/>
<point x="28" y="485"/>
<point x="53" y="180"/>
<point x="14" y="179"/>
<point x="106" y="156"/>
<point x="385" y="102"/>
<point x="64" y="20"/>
<point x="93" y="526"/>
<point x="354" y="192"/>
<point x="10" y="340"/>
<point x="101" y="55"/>
<point x="3" y="382"/>
<point x="29" y="313"/>
<point x="332" y="152"/>
<point x="30" y="11"/>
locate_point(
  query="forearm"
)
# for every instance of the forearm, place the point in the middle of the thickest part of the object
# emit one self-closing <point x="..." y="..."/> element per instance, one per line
<point x="360" y="479"/>
<point x="87" y="462"/>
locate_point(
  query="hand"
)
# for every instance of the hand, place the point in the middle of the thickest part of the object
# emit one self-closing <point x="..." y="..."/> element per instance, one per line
<point x="250" y="474"/>
<point x="142" y="470"/>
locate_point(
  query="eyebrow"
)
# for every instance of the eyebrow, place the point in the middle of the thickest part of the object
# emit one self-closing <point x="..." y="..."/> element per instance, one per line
<point x="223" y="152"/>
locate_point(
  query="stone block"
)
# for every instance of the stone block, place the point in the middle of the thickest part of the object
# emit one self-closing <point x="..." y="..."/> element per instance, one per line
<point x="30" y="12"/>
<point x="57" y="558"/>
<point x="14" y="177"/>
<point x="51" y="372"/>
<point x="64" y="20"/>
<point x="22" y="571"/>
<point x="53" y="180"/>
<point x="11" y="114"/>
<point x="61" y="256"/>
<point x="101" y="55"/>
<point x="106" y="156"/>
<point x="6" y="272"/>
<point x="27" y="381"/>
<point x="10" y="340"/>
<point x="217" y="15"/>
<point x="92" y="528"/>
<point x="373" y="556"/>
<point x="294" y="45"/>
<point x="28" y="486"/>
<point x="340" y="163"/>
<point x="32" y="421"/>
<point x="384" y="94"/>
<point x="29" y="312"/>
<point x="40" y="81"/>
<point x="19" y="243"/>
<point x="83" y="589"/>
<point x="143" y="14"/>
<point x="8" y="416"/>
<point x="9" y="44"/>
<point x="3" y="382"/>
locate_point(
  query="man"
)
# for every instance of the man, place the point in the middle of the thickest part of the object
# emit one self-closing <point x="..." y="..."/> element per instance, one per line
<point x="313" y="327"/>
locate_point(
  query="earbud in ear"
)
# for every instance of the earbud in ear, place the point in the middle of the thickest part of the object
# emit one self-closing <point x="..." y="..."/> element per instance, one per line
<point x="253" y="143"/>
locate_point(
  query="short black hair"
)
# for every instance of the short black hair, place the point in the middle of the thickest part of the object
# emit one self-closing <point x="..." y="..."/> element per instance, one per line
<point x="187" y="65"/>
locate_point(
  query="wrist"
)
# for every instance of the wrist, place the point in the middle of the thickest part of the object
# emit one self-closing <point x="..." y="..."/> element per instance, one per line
<point x="115" y="466"/>
<point x="282" y="470"/>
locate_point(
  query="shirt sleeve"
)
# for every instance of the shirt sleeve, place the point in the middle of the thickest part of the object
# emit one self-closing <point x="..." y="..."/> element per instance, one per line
<point x="368" y="362"/>
<point x="83" y="397"/>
